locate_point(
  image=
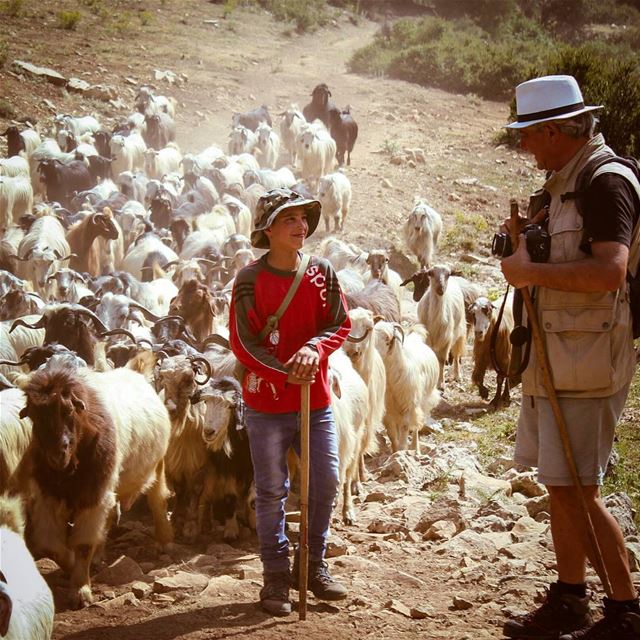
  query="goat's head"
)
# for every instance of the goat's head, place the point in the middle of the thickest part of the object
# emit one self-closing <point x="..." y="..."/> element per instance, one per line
<point x="359" y="339"/>
<point x="482" y="313"/>
<point x="56" y="404"/>
<point x="104" y="224"/>
<point x="320" y="94"/>
<point x="224" y="410"/>
<point x="178" y="377"/>
<point x="420" y="281"/>
<point x="377" y="261"/>
<point x="387" y="334"/>
<point x="439" y="278"/>
<point x="65" y="323"/>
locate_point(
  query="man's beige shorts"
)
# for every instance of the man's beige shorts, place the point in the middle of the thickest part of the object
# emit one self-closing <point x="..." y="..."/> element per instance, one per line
<point x="590" y="422"/>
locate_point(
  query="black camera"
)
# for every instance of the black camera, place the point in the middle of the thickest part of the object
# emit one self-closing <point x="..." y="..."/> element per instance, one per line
<point x="538" y="243"/>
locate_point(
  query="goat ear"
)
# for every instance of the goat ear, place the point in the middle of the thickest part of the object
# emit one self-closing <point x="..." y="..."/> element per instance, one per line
<point x="195" y="398"/>
<point x="369" y="259"/>
<point x="406" y="282"/>
<point x="24" y="412"/>
<point x="377" y="318"/>
<point x="78" y="405"/>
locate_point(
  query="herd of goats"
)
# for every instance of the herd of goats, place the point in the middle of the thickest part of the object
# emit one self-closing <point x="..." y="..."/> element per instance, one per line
<point x="117" y="263"/>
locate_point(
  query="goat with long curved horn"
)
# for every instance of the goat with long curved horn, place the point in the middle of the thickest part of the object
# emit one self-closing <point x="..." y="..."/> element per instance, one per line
<point x="215" y="338"/>
<point x="83" y="311"/>
<point x="40" y="324"/>
<point x="119" y="332"/>
<point x="358" y="339"/>
<point x="207" y="366"/>
<point x="145" y="312"/>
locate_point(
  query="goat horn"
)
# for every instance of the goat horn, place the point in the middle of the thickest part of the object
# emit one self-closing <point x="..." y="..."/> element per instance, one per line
<point x="214" y="338"/>
<point x="34" y="294"/>
<point x="21" y="323"/>
<point x="16" y="257"/>
<point x="83" y="311"/>
<point x="118" y="332"/>
<point x="147" y="314"/>
<point x="167" y="318"/>
<point x="170" y="264"/>
<point x="397" y="327"/>
<point x="207" y="261"/>
<point x="10" y="363"/>
<point x="357" y="339"/>
<point x="189" y="338"/>
<point x="207" y="366"/>
<point x="141" y="340"/>
<point x="71" y="255"/>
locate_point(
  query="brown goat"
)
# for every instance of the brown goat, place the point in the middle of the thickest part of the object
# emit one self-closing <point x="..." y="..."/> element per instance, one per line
<point x="84" y="458"/>
<point x="196" y="305"/>
<point x="81" y="238"/>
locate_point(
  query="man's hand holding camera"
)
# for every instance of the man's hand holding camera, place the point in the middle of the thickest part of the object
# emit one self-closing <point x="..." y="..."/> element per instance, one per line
<point x="517" y="268"/>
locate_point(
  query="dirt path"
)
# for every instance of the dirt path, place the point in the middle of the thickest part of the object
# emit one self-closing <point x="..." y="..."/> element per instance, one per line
<point x="245" y="61"/>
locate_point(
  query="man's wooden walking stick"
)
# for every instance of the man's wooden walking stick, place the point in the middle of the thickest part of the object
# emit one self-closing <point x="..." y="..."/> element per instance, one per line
<point x="543" y="363"/>
<point x="303" y="545"/>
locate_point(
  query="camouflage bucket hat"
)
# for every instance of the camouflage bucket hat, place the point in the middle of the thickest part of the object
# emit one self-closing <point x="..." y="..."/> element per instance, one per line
<point x="274" y="202"/>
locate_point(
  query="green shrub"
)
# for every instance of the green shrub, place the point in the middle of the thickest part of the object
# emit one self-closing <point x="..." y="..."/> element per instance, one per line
<point x="607" y="80"/>
<point x="68" y="20"/>
<point x="456" y="56"/>
<point x="12" y="8"/>
<point x="307" y="14"/>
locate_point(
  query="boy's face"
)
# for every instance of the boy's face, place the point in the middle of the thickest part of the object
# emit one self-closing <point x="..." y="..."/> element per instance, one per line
<point x="289" y="229"/>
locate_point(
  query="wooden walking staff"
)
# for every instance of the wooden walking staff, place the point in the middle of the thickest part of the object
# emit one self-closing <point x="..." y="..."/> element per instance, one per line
<point x="543" y="363"/>
<point x="303" y="545"/>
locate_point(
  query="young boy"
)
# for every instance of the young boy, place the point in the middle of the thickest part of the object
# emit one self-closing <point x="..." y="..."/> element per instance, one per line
<point x="293" y="351"/>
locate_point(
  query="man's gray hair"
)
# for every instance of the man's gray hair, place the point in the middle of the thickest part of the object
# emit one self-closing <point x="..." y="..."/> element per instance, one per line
<point x="581" y="126"/>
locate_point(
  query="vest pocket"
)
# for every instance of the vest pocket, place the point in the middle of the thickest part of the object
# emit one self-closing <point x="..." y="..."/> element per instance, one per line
<point x="579" y="347"/>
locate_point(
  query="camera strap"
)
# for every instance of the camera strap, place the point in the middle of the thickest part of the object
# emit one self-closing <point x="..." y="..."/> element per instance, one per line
<point x="520" y="336"/>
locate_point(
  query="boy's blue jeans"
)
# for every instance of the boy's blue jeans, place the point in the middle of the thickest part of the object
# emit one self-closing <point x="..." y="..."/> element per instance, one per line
<point x="270" y="436"/>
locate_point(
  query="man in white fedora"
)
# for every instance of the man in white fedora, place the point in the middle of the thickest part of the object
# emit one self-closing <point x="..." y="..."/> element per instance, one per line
<point x="582" y="300"/>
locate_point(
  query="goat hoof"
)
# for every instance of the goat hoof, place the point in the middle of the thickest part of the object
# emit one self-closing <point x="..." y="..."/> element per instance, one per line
<point x="83" y="597"/>
<point x="349" y="519"/>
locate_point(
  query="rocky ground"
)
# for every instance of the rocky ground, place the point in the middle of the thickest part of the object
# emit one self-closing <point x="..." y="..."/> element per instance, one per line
<point x="444" y="547"/>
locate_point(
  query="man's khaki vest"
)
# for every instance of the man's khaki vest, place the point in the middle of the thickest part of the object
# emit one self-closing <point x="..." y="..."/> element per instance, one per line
<point x="587" y="335"/>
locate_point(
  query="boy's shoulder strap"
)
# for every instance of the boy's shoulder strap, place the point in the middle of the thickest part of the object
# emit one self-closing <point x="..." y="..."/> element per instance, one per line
<point x="272" y="321"/>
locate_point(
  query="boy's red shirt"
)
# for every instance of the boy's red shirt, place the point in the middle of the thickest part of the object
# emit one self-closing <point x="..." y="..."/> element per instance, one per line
<point x="316" y="316"/>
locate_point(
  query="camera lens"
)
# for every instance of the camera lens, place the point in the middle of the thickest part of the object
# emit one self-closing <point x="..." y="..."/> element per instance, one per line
<point x="501" y="245"/>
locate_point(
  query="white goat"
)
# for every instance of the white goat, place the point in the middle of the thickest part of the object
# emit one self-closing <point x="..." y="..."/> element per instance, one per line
<point x="26" y="602"/>
<point x="421" y="232"/>
<point x="77" y="126"/>
<point x="361" y="349"/>
<point x="269" y="145"/>
<point x="15" y="436"/>
<point x="317" y="152"/>
<point x="16" y="199"/>
<point x="291" y="127"/>
<point x="242" y="140"/>
<point x="42" y="250"/>
<point x="334" y="193"/>
<point x="342" y="255"/>
<point x="14" y="167"/>
<point x="350" y="405"/>
<point x="159" y="163"/>
<point x="127" y="153"/>
<point x="412" y="377"/>
<point x="441" y="310"/>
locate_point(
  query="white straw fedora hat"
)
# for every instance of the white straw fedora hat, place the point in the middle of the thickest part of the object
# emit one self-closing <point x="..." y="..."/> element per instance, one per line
<point x="548" y="98"/>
